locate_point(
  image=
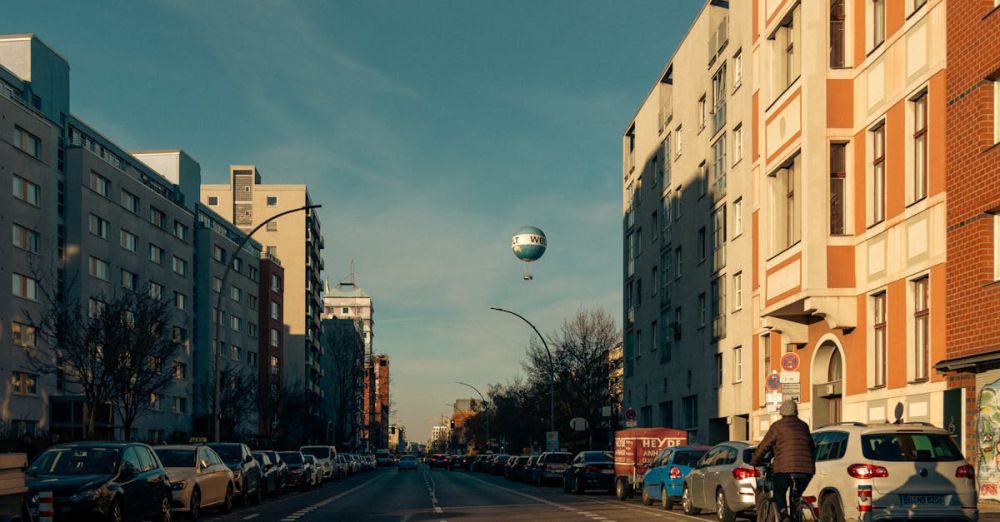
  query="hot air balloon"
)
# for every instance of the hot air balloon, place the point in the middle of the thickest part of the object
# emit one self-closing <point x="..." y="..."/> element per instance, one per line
<point x="528" y="244"/>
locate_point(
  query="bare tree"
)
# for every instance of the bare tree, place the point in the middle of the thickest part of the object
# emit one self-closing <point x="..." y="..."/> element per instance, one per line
<point x="238" y="397"/>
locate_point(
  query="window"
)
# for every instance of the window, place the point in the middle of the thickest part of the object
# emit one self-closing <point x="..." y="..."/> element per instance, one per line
<point x="719" y="308"/>
<point x="719" y="99"/>
<point x="678" y="141"/>
<point x="784" y="50"/>
<point x="130" y="201"/>
<point x="179" y="266"/>
<point x="24" y="383"/>
<point x="272" y="251"/>
<point x="216" y="284"/>
<point x="252" y="358"/>
<point x="25" y="190"/>
<point x="656" y="280"/>
<point x="252" y="329"/>
<point x="737" y="69"/>
<point x="786" y="224"/>
<point x="180" y="301"/>
<point x="921" y="329"/>
<point x="917" y="4"/>
<point x="236" y="293"/>
<point x="234" y="352"/>
<point x="155" y="254"/>
<point x="666" y="261"/>
<point x="272" y="201"/>
<point x="667" y="160"/>
<point x="129" y="280"/>
<point x="666" y="413"/>
<point x="157" y="217"/>
<point x="838" y="21"/>
<point x="275" y="311"/>
<point x="702" y="310"/>
<point x="878" y="174"/>
<point x="677" y="323"/>
<point x="275" y="367"/>
<point x="719" y="167"/>
<point x="237" y="265"/>
<point x="738" y="291"/>
<point x="180" y="230"/>
<point x="655" y="332"/>
<point x="96" y="308"/>
<point x="275" y="338"/>
<point x="678" y="199"/>
<point x="630" y="255"/>
<point x="702" y="179"/>
<point x="100" y="184"/>
<point x="99" y="268"/>
<point x="23" y="335"/>
<point x="24" y="287"/>
<point x="701" y="244"/>
<point x="275" y="283"/>
<point x="99" y="226"/>
<point x="690" y="406"/>
<point x="719" y="238"/>
<point x="919" y="105"/>
<point x="655" y="226"/>
<point x="678" y="262"/>
<point x="154" y="402"/>
<point x="638" y="293"/>
<point x="27" y="141"/>
<point x="738" y="218"/>
<point x="718" y="370"/>
<point x="878" y="22"/>
<point x="180" y="405"/>
<point x="838" y="189"/>
<point x="235" y="323"/>
<point x="272" y="226"/>
<point x="155" y="290"/>
<point x="737" y="143"/>
<point x="638" y="242"/>
<point x="702" y="109"/>
<point x="665" y="217"/>
<point x="128" y="240"/>
<point x="213" y="201"/>
<point x="880" y="339"/>
<point x="218" y="254"/>
<point x="737" y="364"/>
<point x="25" y="238"/>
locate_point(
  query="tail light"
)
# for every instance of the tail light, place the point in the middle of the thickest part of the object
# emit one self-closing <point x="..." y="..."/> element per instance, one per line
<point x="809" y="500"/>
<point x="675" y="473"/>
<point x="966" y="471"/>
<point x="867" y="471"/>
<point x="745" y="473"/>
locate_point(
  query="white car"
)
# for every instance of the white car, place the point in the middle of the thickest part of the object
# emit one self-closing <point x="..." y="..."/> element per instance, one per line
<point x="910" y="471"/>
<point x="325" y="457"/>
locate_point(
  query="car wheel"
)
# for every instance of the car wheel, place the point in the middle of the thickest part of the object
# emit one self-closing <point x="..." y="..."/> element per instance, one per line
<point x="646" y="499"/>
<point x="227" y="501"/>
<point x="831" y="509"/>
<point x="577" y="486"/>
<point x="259" y="496"/>
<point x="722" y="510"/>
<point x="665" y="501"/>
<point x="621" y="489"/>
<point x="164" y="513"/>
<point x="115" y="513"/>
<point x="687" y="503"/>
<point x="566" y="488"/>
<point x="194" y="506"/>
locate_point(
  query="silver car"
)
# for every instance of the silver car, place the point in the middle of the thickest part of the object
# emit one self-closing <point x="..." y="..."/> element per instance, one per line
<point x="722" y="481"/>
<point x="910" y="471"/>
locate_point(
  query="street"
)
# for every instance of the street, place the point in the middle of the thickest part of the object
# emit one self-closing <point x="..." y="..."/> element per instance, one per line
<point x="386" y="495"/>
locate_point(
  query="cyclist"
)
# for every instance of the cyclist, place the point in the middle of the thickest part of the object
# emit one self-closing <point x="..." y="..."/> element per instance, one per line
<point x="793" y="464"/>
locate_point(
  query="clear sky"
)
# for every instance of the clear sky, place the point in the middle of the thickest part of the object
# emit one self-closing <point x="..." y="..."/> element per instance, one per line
<point x="430" y="131"/>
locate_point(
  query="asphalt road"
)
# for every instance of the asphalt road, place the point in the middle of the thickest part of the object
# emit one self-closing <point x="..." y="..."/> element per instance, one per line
<point x="386" y="495"/>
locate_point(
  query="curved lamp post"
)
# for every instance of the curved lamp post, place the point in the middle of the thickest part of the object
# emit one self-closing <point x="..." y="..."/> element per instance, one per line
<point x="552" y="367"/>
<point x="218" y="310"/>
<point x="484" y="406"/>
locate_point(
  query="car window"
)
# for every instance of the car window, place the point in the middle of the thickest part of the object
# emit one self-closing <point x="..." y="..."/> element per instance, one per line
<point x="830" y="445"/>
<point x="686" y="458"/>
<point x="319" y="452"/>
<point x="213" y="458"/>
<point x="149" y="461"/>
<point x="76" y="461"/>
<point x="910" y="447"/>
<point x="176" y="457"/>
<point x="229" y="453"/>
<point x="709" y="459"/>
<point x="725" y="457"/>
<point x="132" y="457"/>
<point x="558" y="458"/>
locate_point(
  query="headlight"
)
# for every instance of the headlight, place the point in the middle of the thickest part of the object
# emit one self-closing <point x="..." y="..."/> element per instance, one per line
<point x="179" y="486"/>
<point x="89" y="494"/>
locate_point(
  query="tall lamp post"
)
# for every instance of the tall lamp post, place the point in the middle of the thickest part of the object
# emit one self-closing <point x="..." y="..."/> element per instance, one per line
<point x="483" y="399"/>
<point x="216" y="433"/>
<point x="552" y="367"/>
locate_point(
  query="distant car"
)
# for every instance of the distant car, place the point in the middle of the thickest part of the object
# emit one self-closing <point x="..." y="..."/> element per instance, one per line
<point x="664" y="482"/>
<point x="914" y="470"/>
<point x="281" y="466"/>
<point x="516" y="465"/>
<point x="104" y="480"/>
<point x="550" y="467"/>
<point x="498" y="463"/>
<point x="317" y="474"/>
<point x="439" y="460"/>
<point x="590" y="470"/>
<point x="407" y="462"/>
<point x="300" y="472"/>
<point x="722" y="482"/>
<point x="525" y="472"/>
<point x="325" y="457"/>
<point x="271" y="482"/>
<point x="383" y="457"/>
<point x="247" y="475"/>
<point x="198" y="477"/>
<point x="355" y="463"/>
<point x="341" y="466"/>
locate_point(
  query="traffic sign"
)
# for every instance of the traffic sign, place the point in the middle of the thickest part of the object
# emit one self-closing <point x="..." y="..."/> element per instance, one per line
<point x="773" y="382"/>
<point x="790" y="362"/>
<point x="578" y="424"/>
<point x="630" y="414"/>
<point x="790" y="377"/>
<point x="552" y="441"/>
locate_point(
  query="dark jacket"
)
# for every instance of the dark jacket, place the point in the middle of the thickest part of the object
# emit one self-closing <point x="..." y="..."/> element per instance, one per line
<point x="792" y="444"/>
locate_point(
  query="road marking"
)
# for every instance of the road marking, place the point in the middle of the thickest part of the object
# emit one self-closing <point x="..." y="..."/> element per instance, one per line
<point x="306" y="510"/>
<point x="432" y="491"/>
<point x="658" y="512"/>
<point x="543" y="501"/>
<point x="250" y="517"/>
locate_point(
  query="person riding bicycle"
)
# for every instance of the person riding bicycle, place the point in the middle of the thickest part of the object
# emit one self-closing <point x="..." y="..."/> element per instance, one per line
<point x="793" y="464"/>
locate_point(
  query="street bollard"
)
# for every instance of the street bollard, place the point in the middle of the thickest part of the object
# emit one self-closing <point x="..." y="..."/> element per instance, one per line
<point x="45" y="511"/>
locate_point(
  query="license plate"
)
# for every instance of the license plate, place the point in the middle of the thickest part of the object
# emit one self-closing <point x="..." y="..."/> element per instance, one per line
<point x="921" y="500"/>
<point x="607" y="471"/>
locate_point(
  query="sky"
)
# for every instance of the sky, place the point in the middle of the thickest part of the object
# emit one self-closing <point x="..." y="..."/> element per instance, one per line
<point x="429" y="130"/>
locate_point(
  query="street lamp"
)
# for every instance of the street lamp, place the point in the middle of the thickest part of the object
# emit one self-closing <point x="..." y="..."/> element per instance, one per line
<point x="218" y="307"/>
<point x="552" y="368"/>
<point x="484" y="406"/>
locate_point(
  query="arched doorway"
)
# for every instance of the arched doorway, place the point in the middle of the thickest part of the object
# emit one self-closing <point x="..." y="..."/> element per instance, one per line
<point x="827" y="378"/>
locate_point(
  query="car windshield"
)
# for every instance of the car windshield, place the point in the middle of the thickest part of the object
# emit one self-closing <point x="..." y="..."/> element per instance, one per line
<point x="597" y="456"/>
<point x="407" y="458"/>
<point x="229" y="453"/>
<point x="689" y="458"/>
<point x="76" y="461"/>
<point x="291" y="457"/>
<point x="317" y="451"/>
<point x="557" y="458"/>
<point x="176" y="458"/>
<point x="910" y="447"/>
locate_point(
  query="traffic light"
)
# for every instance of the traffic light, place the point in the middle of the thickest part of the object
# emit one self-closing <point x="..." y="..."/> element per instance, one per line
<point x="452" y="423"/>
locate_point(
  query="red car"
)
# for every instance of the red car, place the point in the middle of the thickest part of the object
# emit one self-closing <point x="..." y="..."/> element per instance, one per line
<point x="439" y="460"/>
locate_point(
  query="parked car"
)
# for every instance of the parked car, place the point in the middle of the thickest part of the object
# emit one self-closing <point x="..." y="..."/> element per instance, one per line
<point x="664" y="482"/>
<point x="300" y="472"/>
<point x="722" y="482"/>
<point x="317" y="473"/>
<point x="341" y="466"/>
<point x="281" y="466"/>
<point x="517" y="463"/>
<point x="498" y="463"/>
<point x="325" y="457"/>
<point x="407" y="462"/>
<point x="909" y="470"/>
<point x="383" y="457"/>
<point x="550" y="467"/>
<point x="271" y="483"/>
<point x="371" y="462"/>
<point x="527" y="470"/>
<point x="590" y="470"/>
<point x="439" y="460"/>
<point x="478" y="462"/>
<point x="355" y="463"/>
<point x="198" y="477"/>
<point x="247" y="475"/>
<point x="103" y="480"/>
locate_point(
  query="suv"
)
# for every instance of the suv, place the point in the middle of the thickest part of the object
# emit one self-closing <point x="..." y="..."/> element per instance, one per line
<point x="247" y="474"/>
<point x="325" y="458"/>
<point x="550" y="467"/>
<point x="908" y="470"/>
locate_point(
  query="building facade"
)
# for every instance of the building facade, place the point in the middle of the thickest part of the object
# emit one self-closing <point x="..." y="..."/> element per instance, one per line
<point x="272" y="343"/>
<point x="343" y="380"/>
<point x="380" y="422"/>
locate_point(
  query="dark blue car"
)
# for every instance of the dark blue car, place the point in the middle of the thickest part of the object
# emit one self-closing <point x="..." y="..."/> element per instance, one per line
<point x="664" y="482"/>
<point x="112" y="481"/>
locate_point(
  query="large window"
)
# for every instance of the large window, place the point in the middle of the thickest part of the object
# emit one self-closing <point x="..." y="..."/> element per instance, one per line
<point x="880" y="339"/>
<point x="838" y="189"/>
<point x="738" y="291"/>
<point x="719" y="166"/>
<point x="23" y="335"/>
<point x="786" y="61"/>
<point x="130" y="201"/>
<point x="719" y="99"/>
<point x="719" y="238"/>
<point x="738" y="364"/>
<point x="921" y="329"/>
<point x="786" y="225"/>
<point x="25" y="190"/>
<point x="128" y="240"/>
<point x="919" y="105"/>
<point x="719" y="308"/>
<point x="100" y="184"/>
<point x="878" y="22"/>
<point x="99" y="268"/>
<point x="737" y="218"/>
<point x="878" y="174"/>
<point x="667" y="160"/>
<point x="99" y="226"/>
<point x="24" y="238"/>
<point x="838" y="41"/>
<point x="24" y="287"/>
<point x="27" y="141"/>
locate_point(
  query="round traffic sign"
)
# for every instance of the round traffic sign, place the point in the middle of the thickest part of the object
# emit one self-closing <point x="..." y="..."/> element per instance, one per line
<point x="630" y="414"/>
<point x="790" y="362"/>
<point x="773" y="382"/>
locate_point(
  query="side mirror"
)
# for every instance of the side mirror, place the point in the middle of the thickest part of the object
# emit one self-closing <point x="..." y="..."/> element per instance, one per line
<point x="248" y="459"/>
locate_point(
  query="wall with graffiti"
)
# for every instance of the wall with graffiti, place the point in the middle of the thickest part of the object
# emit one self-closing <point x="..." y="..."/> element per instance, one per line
<point x="988" y="435"/>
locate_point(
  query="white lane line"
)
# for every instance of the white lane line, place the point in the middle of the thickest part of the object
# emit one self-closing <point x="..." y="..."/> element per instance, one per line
<point x="251" y="517"/>
<point x="432" y="491"/>
<point x="539" y="499"/>
<point x="657" y="512"/>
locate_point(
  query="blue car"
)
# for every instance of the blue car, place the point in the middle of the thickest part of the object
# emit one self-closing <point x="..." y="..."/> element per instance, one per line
<point x="407" y="462"/>
<point x="664" y="482"/>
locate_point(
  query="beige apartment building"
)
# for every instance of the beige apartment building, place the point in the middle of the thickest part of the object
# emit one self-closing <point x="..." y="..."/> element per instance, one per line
<point x="295" y="239"/>
<point x="686" y="188"/>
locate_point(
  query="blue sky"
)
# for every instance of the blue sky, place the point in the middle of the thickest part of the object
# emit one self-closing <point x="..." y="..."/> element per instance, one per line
<point x="429" y="130"/>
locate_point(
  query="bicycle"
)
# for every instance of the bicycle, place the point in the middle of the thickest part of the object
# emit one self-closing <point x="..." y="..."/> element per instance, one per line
<point x="801" y="508"/>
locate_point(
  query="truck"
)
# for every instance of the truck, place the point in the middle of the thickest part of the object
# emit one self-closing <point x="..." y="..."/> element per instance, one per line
<point x="13" y="488"/>
<point x="634" y="450"/>
<point x="383" y="457"/>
